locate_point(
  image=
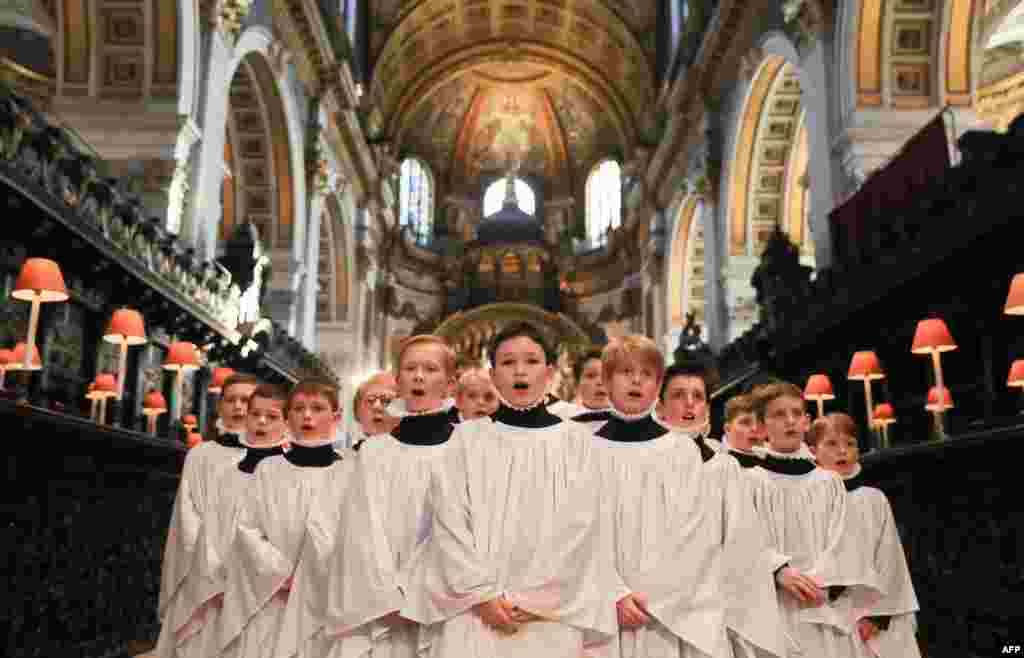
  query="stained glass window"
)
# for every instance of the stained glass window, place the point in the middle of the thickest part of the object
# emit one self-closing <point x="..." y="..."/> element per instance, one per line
<point x="416" y="200"/>
<point x="494" y="197"/>
<point x="604" y="201"/>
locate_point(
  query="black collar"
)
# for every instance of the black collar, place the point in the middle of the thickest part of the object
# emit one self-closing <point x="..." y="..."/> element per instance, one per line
<point x="787" y="466"/>
<point x="643" y="429"/>
<point x="746" y="459"/>
<point x="533" y="418"/>
<point x="594" y="416"/>
<point x="425" y="430"/>
<point x="454" y="417"/>
<point x="706" y="451"/>
<point x="253" y="456"/>
<point x="230" y="440"/>
<point x="856" y="482"/>
<point x="316" y="457"/>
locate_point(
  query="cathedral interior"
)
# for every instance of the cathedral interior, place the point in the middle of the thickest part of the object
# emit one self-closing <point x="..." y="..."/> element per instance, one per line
<point x="295" y="186"/>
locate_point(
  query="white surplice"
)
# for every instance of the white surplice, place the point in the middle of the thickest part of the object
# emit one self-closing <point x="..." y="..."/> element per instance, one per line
<point x="755" y="628"/>
<point x="566" y="410"/>
<point x="662" y="508"/>
<point x="285" y="530"/>
<point x="515" y="512"/>
<point x="870" y="521"/>
<point x="804" y="517"/>
<point x="385" y="521"/>
<point x="193" y="555"/>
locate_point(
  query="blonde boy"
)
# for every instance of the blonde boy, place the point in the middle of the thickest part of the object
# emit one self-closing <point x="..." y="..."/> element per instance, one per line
<point x="475" y="395"/>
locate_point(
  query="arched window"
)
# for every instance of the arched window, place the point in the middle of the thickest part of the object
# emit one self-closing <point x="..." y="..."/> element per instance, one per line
<point x="494" y="196"/>
<point x="604" y="201"/>
<point x="416" y="200"/>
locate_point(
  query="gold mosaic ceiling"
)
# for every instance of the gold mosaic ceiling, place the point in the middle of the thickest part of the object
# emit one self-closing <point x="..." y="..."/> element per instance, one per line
<point x="553" y="84"/>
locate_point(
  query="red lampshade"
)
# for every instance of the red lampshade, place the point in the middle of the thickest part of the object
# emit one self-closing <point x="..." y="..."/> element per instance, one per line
<point x="194" y="439"/>
<point x="933" y="399"/>
<point x="932" y="335"/>
<point x="1015" y="300"/>
<point x="864" y="365"/>
<point x="40" y="278"/>
<point x="181" y="356"/>
<point x="1016" y="377"/>
<point x="92" y="394"/>
<point x="884" y="414"/>
<point x="19" y="358"/>
<point x="105" y="383"/>
<point x="189" y="421"/>
<point x="220" y="375"/>
<point x="818" y="388"/>
<point x="154" y="404"/>
<point x="126" y="325"/>
<point x="7" y="360"/>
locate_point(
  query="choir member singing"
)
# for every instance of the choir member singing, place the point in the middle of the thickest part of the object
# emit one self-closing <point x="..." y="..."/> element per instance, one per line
<point x="803" y="510"/>
<point x="276" y="597"/>
<point x="386" y="514"/>
<point x="662" y="511"/>
<point x="591" y="395"/>
<point x="475" y="395"/>
<point x="514" y="565"/>
<point x="885" y="623"/>
<point x="191" y="587"/>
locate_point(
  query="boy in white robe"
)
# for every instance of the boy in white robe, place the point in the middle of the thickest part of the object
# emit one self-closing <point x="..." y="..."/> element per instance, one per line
<point x="369" y="406"/>
<point x="191" y="588"/>
<point x="747" y="589"/>
<point x="475" y="395"/>
<point x="386" y="513"/>
<point x="885" y="623"/>
<point x="662" y="510"/>
<point x="803" y="510"/>
<point x="591" y="395"/>
<point x="275" y="595"/>
<point x="514" y="566"/>
<point x="742" y="439"/>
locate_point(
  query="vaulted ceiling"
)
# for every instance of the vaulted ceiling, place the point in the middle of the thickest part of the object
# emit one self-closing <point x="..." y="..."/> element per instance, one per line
<point x="472" y="85"/>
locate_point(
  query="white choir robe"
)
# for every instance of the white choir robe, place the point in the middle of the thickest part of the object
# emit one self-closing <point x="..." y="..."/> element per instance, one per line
<point x="566" y="410"/>
<point x="804" y="518"/>
<point x="870" y="521"/>
<point x="663" y="511"/>
<point x="285" y="530"/>
<point x="201" y="521"/>
<point x="385" y="522"/>
<point x="755" y="628"/>
<point x="515" y="512"/>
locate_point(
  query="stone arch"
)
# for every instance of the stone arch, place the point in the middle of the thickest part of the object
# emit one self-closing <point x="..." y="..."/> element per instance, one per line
<point x="795" y="212"/>
<point x="679" y="252"/>
<point x="766" y="141"/>
<point x="333" y="275"/>
<point x="275" y="97"/>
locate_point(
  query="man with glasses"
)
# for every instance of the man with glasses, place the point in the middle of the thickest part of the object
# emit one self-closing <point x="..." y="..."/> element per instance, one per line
<point x="370" y="407"/>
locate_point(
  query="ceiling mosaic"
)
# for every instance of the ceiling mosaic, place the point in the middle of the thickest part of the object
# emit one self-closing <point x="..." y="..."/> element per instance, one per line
<point x="494" y="118"/>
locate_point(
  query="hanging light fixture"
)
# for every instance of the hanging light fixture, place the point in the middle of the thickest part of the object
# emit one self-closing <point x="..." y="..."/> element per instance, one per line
<point x="885" y="416"/>
<point x="105" y="387"/>
<point x="220" y="375"/>
<point x="40" y="280"/>
<point x="865" y="367"/>
<point x="21" y="360"/>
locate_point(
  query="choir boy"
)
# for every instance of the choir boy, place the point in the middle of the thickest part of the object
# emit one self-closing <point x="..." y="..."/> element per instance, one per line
<point x="661" y="508"/>
<point x="275" y="599"/>
<point x="591" y="395"/>
<point x="886" y="623"/>
<point x="190" y="586"/>
<point x="747" y="587"/>
<point x="369" y="406"/>
<point x="387" y="514"/>
<point x="475" y="396"/>
<point x="803" y="510"/>
<point x="683" y="403"/>
<point x="514" y="565"/>
<point x="741" y="438"/>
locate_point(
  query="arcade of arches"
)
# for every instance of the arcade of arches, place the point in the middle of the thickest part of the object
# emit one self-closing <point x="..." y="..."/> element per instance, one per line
<point x="710" y="124"/>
